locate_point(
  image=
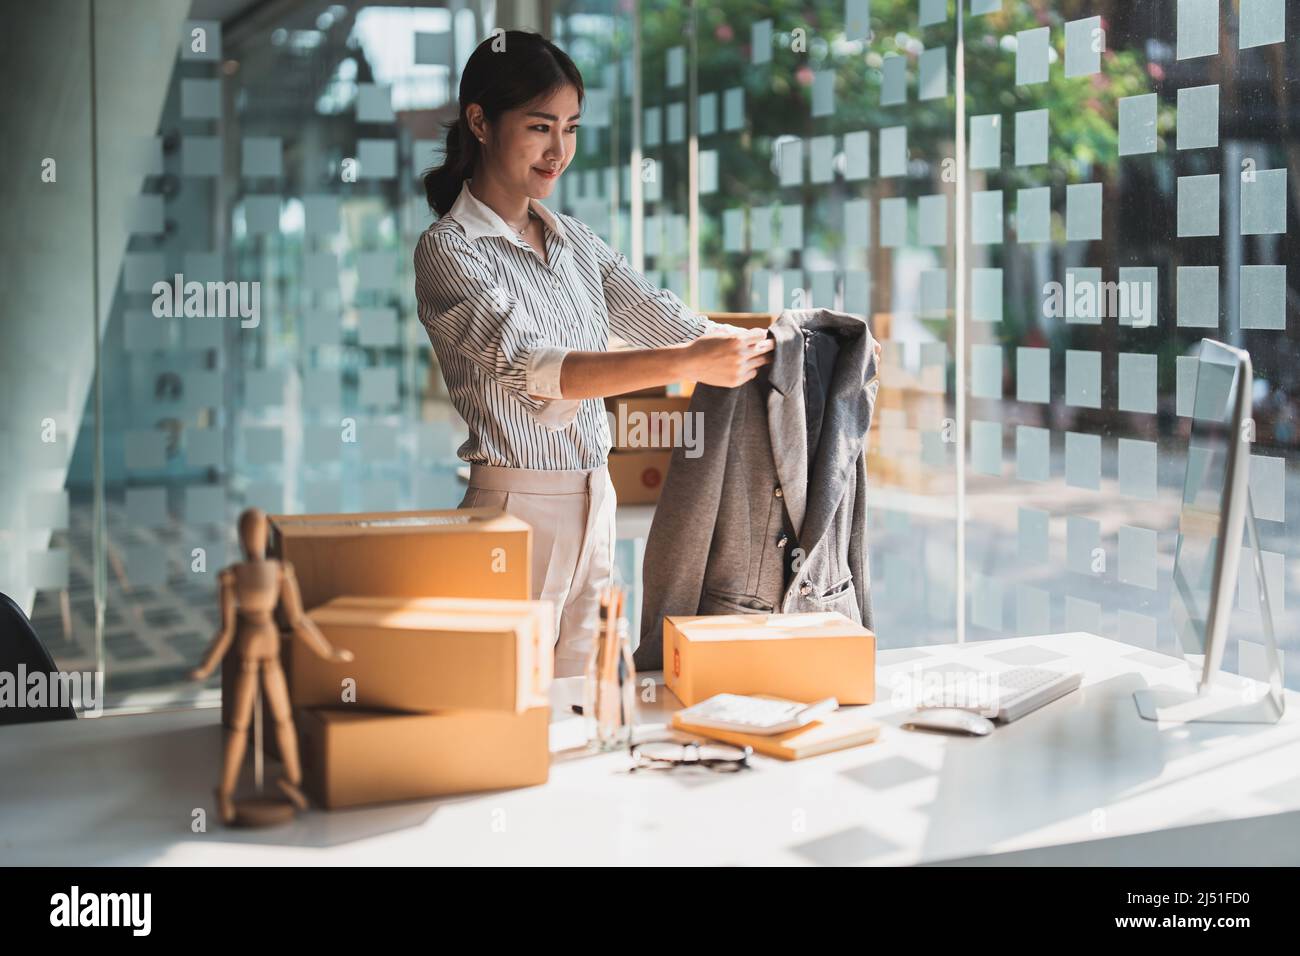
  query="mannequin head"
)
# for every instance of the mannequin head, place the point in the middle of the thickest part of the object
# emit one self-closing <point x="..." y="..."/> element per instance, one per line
<point x="252" y="533"/>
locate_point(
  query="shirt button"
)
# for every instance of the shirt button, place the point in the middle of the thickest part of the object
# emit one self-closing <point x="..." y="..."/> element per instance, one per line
<point x="778" y="493"/>
<point x="783" y="541"/>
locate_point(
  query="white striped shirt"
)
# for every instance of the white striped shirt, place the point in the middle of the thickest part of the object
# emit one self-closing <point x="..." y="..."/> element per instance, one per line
<point x="501" y="321"/>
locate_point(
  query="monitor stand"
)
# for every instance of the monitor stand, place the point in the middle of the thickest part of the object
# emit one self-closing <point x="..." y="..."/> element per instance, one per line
<point x="1227" y="699"/>
<point x="1220" y="705"/>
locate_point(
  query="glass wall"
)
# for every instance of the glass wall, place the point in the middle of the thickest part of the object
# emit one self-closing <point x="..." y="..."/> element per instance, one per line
<point x="985" y="180"/>
<point x="1130" y="194"/>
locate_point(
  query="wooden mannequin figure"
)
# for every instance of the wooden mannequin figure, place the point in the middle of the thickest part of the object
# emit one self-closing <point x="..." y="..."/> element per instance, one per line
<point x="250" y="591"/>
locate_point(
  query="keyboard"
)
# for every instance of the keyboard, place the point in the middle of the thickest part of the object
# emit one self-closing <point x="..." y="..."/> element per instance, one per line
<point x="1022" y="690"/>
<point x="1011" y="694"/>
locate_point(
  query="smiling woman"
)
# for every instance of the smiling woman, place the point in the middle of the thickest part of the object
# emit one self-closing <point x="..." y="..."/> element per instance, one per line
<point x="520" y="302"/>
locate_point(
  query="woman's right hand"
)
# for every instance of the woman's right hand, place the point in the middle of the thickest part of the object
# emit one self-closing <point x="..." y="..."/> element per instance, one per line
<point x="728" y="360"/>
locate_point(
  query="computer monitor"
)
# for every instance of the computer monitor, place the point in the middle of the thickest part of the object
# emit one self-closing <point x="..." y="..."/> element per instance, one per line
<point x="1216" y="511"/>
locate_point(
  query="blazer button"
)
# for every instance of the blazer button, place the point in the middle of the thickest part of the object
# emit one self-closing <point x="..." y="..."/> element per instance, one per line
<point x="805" y="590"/>
<point x="778" y="493"/>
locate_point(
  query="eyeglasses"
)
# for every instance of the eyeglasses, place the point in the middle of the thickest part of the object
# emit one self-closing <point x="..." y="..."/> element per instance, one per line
<point x="670" y="754"/>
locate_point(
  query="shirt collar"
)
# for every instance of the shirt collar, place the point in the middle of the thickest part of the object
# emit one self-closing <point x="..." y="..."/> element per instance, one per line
<point x="479" y="219"/>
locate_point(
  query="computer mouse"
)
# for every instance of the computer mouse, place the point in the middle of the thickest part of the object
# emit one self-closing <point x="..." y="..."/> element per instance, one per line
<point x="949" y="720"/>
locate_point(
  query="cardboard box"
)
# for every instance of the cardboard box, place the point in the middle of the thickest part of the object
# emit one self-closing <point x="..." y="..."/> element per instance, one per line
<point x="638" y="476"/>
<point x="804" y="657"/>
<point x="459" y="552"/>
<point x="430" y="654"/>
<point x="648" y="424"/>
<point x="468" y="552"/>
<point x="355" y="757"/>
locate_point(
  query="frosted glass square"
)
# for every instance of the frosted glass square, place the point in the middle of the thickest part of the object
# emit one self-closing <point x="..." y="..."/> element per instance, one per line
<point x="986" y="447"/>
<point x="1137" y="469"/>
<point x="986" y="371"/>
<point x="1083" y="460"/>
<point x="1263" y="297"/>
<point x="986" y="142"/>
<point x="932" y="220"/>
<point x="261" y="156"/>
<point x="893" y="222"/>
<point x="1198" y="117"/>
<point x="857" y="155"/>
<point x="1262" y="22"/>
<point x="1198" y="28"/>
<point x="1083" y="212"/>
<point x="1198" y="297"/>
<point x="986" y="217"/>
<point x="1033" y="453"/>
<point x="1137" y="556"/>
<point x="1137" y="382"/>
<point x="893" y="83"/>
<point x="1083" y="378"/>
<point x="1031" y="137"/>
<point x="1033" y="375"/>
<point x="986" y="295"/>
<point x="1137" y="124"/>
<point x="932" y="68"/>
<point x="1034" y="214"/>
<point x="1263" y="203"/>
<point x="893" y="151"/>
<point x="1031" y="56"/>
<point x="1084" y="44"/>
<point x="1198" y="205"/>
<point x="1032" y="530"/>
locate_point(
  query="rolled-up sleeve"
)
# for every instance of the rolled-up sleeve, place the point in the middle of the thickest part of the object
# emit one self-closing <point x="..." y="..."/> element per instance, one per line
<point x="639" y="312"/>
<point x="464" y="309"/>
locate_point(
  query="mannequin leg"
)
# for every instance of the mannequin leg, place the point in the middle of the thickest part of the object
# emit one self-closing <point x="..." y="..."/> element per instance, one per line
<point x="237" y="738"/>
<point x="277" y="693"/>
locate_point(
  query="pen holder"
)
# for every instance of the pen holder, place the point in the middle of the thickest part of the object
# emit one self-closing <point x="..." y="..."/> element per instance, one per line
<point x="609" y="692"/>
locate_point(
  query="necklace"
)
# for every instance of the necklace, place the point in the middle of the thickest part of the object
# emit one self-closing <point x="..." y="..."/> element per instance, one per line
<point x="527" y="222"/>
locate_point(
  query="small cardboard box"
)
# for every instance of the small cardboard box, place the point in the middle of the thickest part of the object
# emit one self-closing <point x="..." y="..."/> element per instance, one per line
<point x="458" y="552"/>
<point x="429" y="654"/>
<point x="466" y="552"/>
<point x="649" y="424"/>
<point x="638" y="476"/>
<point x="356" y="757"/>
<point x="803" y="657"/>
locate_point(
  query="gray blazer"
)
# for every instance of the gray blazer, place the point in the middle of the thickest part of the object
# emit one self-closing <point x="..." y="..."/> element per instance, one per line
<point x="782" y="469"/>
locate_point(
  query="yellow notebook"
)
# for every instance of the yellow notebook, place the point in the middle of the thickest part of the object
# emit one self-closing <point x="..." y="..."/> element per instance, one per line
<point x="839" y="731"/>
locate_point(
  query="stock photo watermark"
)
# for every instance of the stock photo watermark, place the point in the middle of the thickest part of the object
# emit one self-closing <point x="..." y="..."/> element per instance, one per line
<point x="1077" y="299"/>
<point x="37" y="689"/>
<point x="979" y="691"/>
<point x="208" y="300"/>
<point x="636" y="428"/>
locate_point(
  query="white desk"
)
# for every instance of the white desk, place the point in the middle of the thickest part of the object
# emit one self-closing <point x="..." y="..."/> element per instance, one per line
<point x="1083" y="780"/>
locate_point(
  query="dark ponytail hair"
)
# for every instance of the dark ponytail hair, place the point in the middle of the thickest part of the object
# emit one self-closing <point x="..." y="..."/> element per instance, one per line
<point x="526" y="67"/>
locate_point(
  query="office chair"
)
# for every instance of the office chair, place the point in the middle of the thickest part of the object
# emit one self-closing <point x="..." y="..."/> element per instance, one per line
<point x="20" y="645"/>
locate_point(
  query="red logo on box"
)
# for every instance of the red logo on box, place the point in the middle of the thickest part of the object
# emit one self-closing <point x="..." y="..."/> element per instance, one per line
<point x="651" y="478"/>
<point x="677" y="663"/>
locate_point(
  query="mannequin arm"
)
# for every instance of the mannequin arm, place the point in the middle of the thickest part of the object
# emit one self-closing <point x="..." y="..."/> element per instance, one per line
<point x="221" y="642"/>
<point x="302" y="625"/>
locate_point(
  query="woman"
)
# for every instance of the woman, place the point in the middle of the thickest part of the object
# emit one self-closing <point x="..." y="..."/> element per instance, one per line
<point x="519" y="303"/>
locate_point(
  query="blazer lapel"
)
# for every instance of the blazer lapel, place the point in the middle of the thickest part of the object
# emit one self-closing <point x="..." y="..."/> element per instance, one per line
<point x="849" y="406"/>
<point x="787" y="420"/>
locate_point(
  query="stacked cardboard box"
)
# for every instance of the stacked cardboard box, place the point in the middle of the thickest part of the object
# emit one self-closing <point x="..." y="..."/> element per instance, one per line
<point x="445" y="695"/>
<point x="470" y="552"/>
<point x="447" y="691"/>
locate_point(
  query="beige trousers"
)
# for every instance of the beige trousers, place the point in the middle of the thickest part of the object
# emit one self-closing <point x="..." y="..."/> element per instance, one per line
<point x="572" y="517"/>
